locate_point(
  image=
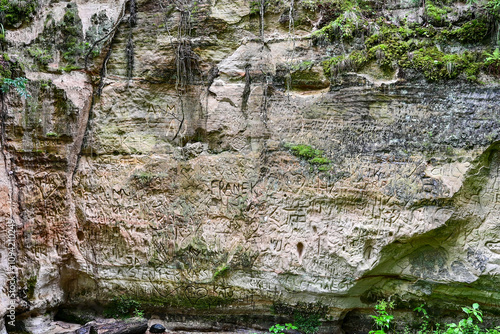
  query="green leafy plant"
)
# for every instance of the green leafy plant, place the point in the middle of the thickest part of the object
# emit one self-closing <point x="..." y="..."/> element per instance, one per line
<point x="311" y="155"/>
<point x="492" y="62"/>
<point x="424" y="326"/>
<point x="221" y="271"/>
<point x="41" y="55"/>
<point x="276" y="329"/>
<point x="383" y="318"/>
<point x="306" y="316"/>
<point x="19" y="84"/>
<point x="138" y="313"/>
<point x="123" y="307"/>
<point x="467" y="326"/>
<point x="495" y="330"/>
<point x="307" y="323"/>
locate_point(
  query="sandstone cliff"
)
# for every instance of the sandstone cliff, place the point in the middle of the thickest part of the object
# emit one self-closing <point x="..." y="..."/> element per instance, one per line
<point x="223" y="156"/>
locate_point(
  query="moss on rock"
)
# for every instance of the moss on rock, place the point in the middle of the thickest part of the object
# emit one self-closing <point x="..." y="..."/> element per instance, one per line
<point x="471" y="32"/>
<point x="15" y="13"/>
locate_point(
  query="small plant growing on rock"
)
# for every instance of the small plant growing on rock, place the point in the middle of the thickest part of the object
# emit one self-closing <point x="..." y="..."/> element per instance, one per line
<point x="138" y="313"/>
<point x="424" y="326"/>
<point x="383" y="318"/>
<point x="123" y="307"/>
<point x="493" y="62"/>
<point x="311" y="155"/>
<point x="306" y="316"/>
<point x="19" y="84"/>
<point x="221" y="271"/>
<point x="467" y="325"/>
<point x="277" y="329"/>
<point x="52" y="134"/>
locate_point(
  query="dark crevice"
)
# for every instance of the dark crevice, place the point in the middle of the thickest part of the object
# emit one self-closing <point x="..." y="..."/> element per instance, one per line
<point x="181" y="121"/>
<point x="186" y="63"/>
<point x="103" y="72"/>
<point x="265" y="98"/>
<point x="212" y="74"/>
<point x="132" y="22"/>
<point x="130" y="56"/>
<point x="246" y="91"/>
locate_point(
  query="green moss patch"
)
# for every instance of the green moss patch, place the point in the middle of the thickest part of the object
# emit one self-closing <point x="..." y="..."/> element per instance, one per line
<point x="436" y="15"/>
<point x="313" y="156"/>
<point x="73" y="46"/>
<point x="436" y="65"/>
<point x="15" y="13"/>
<point x="65" y="36"/>
<point x="471" y="32"/>
<point x="123" y="307"/>
<point x="344" y="28"/>
<point x="492" y="62"/>
<point x="306" y="316"/>
<point x="436" y="49"/>
<point x="30" y="287"/>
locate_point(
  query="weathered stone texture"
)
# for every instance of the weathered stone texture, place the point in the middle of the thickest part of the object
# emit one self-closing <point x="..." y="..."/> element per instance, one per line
<point x="175" y="184"/>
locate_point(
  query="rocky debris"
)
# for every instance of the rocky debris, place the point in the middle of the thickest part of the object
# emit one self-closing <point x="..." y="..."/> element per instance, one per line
<point x="114" y="326"/>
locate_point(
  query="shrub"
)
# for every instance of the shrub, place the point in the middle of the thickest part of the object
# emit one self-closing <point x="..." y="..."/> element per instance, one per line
<point x="466" y="326"/>
<point x="436" y="15"/>
<point x="436" y="65"/>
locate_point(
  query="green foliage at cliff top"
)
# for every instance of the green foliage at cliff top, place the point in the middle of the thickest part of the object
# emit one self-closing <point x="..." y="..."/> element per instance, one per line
<point x="442" y="47"/>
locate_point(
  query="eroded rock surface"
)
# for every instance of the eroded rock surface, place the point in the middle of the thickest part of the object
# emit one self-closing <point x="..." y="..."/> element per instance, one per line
<point x="156" y="161"/>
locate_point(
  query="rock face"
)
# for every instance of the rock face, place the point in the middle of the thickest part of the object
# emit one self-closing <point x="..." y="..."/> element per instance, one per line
<point x="159" y="157"/>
